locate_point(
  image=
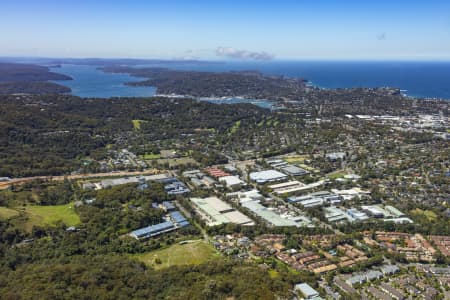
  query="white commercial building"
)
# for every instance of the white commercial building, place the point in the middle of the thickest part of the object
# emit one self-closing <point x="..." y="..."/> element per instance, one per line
<point x="306" y="290"/>
<point x="267" y="176"/>
<point x="215" y="212"/>
<point x="252" y="195"/>
<point x="334" y="214"/>
<point x="105" y="183"/>
<point x="232" y="182"/>
<point x="286" y="187"/>
<point x="268" y="215"/>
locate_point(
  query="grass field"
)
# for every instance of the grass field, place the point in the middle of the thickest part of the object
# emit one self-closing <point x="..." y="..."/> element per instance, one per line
<point x="235" y="127"/>
<point x="337" y="174"/>
<point x="49" y="215"/>
<point x="430" y="215"/>
<point x="296" y="159"/>
<point x="188" y="254"/>
<point x="150" y="156"/>
<point x="7" y="213"/>
<point x="308" y="168"/>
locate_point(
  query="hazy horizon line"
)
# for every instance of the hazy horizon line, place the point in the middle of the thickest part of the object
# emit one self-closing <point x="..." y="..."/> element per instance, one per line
<point x="206" y="60"/>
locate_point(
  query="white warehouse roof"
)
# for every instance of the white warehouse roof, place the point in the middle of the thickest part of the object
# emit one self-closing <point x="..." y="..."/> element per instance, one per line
<point x="267" y="176"/>
<point x="231" y="181"/>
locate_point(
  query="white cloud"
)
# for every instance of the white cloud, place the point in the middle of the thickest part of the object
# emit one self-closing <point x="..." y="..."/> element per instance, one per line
<point x="242" y="54"/>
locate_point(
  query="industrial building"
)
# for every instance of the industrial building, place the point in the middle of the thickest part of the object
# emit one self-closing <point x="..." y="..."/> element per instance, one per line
<point x="216" y="173"/>
<point x="374" y="211"/>
<point x="402" y="220"/>
<point x="267" y="215"/>
<point x="197" y="182"/>
<point x="179" y="219"/>
<point x="174" y="220"/>
<point x="331" y="198"/>
<point x="154" y="230"/>
<point x="205" y="181"/>
<point x="357" y="215"/>
<point x="316" y="199"/>
<point x="394" y="211"/>
<point x="199" y="179"/>
<point x="311" y="202"/>
<point x="351" y="193"/>
<point x="192" y="174"/>
<point x="286" y="187"/>
<point x="168" y="206"/>
<point x="302" y="187"/>
<point x="276" y="162"/>
<point x="175" y="187"/>
<point x="306" y="290"/>
<point x="230" y="169"/>
<point x="293" y="170"/>
<point x="239" y="218"/>
<point x="286" y="168"/>
<point x="215" y="212"/>
<point x="232" y="182"/>
<point x="252" y="195"/>
<point x="267" y="176"/>
<point x="388" y="213"/>
<point x="334" y="214"/>
<point x="172" y="185"/>
<point x="125" y="180"/>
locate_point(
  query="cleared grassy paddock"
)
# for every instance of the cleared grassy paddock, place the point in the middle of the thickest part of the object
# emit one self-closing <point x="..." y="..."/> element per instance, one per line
<point x="46" y="216"/>
<point x="428" y="214"/>
<point x="150" y="156"/>
<point x="8" y="213"/>
<point x="193" y="253"/>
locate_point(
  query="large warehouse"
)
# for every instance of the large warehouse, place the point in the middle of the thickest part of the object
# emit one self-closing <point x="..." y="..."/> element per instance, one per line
<point x="215" y="212"/>
<point x="174" y="220"/>
<point x="154" y="230"/>
<point x="267" y="176"/>
<point x="269" y="216"/>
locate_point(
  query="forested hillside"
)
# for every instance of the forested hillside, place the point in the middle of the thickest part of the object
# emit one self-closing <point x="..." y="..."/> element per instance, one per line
<point x="43" y="135"/>
<point x="18" y="78"/>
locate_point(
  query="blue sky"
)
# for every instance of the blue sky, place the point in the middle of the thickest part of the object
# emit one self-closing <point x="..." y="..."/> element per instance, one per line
<point x="313" y="29"/>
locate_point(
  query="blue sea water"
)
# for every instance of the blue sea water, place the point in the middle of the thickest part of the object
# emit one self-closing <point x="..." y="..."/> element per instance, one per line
<point x="90" y="82"/>
<point x="419" y="79"/>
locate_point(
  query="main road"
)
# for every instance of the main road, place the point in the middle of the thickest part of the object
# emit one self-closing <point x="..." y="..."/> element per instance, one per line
<point x="19" y="181"/>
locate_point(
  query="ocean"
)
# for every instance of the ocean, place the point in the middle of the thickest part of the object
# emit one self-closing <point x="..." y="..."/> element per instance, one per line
<point x="416" y="79"/>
